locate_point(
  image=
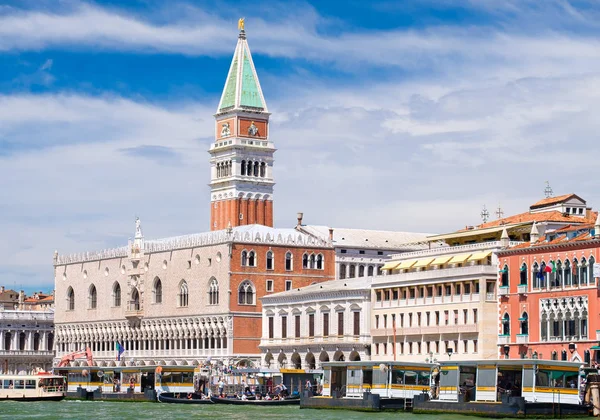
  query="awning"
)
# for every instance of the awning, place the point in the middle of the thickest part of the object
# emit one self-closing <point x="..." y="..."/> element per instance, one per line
<point x="595" y="348"/>
<point x="441" y="260"/>
<point x="406" y="264"/>
<point x="460" y="258"/>
<point x="480" y="255"/>
<point x="423" y="263"/>
<point x="390" y="265"/>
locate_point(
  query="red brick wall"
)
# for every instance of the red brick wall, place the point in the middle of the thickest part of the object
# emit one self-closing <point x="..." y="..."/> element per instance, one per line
<point x="258" y="275"/>
<point x="246" y="333"/>
<point x="253" y="211"/>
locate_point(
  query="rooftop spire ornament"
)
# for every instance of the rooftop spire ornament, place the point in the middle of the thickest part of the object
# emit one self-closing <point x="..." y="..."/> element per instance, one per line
<point x="485" y="214"/>
<point x="548" y="190"/>
<point x="499" y="212"/>
<point x="241" y="24"/>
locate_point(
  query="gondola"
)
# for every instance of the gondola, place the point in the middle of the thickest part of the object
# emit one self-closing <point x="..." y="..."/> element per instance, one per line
<point x="171" y="397"/>
<point x="235" y="401"/>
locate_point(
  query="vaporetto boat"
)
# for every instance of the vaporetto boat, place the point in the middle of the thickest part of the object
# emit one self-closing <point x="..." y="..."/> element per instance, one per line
<point x="40" y="387"/>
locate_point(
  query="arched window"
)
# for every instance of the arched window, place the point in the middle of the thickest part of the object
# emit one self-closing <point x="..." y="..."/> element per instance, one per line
<point x="352" y="271"/>
<point x="7" y="340"/>
<point x="213" y="292"/>
<point x="504" y="276"/>
<point x="70" y="299"/>
<point x="370" y="271"/>
<point x="244" y="258"/>
<point x="591" y="263"/>
<point x="567" y="273"/>
<point x="311" y="262"/>
<point x="246" y="293"/>
<point x="575" y="272"/>
<point x="583" y="272"/>
<point x="93" y="297"/>
<point x="305" y="261"/>
<point x="22" y="338"/>
<point x="289" y="261"/>
<point x="558" y="275"/>
<point x="586" y="357"/>
<point x="270" y="260"/>
<point x="506" y="324"/>
<point x="563" y="355"/>
<point x="36" y="341"/>
<point x="319" y="262"/>
<point x="523" y="274"/>
<point x="134" y="304"/>
<point x="361" y="271"/>
<point x="263" y="169"/>
<point x="255" y="168"/>
<point x="183" y="294"/>
<point x="543" y="275"/>
<point x="157" y="290"/>
<point x="342" y="271"/>
<point x="117" y="295"/>
<point x="554" y="355"/>
<point x="252" y="259"/>
<point x="535" y="275"/>
<point x="243" y="167"/>
<point x="524" y="321"/>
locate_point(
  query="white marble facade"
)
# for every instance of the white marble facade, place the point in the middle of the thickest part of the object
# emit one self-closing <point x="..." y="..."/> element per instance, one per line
<point x="322" y="322"/>
<point x="26" y="341"/>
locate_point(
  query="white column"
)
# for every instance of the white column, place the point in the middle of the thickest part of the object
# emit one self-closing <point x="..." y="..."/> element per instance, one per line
<point x="1" y="340"/>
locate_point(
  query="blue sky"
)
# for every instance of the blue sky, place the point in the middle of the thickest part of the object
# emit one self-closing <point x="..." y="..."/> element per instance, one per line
<point x="399" y="115"/>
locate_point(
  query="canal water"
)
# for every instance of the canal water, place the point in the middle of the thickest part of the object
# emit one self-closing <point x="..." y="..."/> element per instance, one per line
<point x="146" y="410"/>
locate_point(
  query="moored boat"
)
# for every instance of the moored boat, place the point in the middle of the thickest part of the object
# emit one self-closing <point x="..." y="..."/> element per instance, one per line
<point x="182" y="398"/>
<point x="40" y="387"/>
<point x="257" y="402"/>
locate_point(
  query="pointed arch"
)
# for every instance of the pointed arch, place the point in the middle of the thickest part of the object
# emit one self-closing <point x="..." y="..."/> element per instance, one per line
<point x="524" y="322"/>
<point x="567" y="273"/>
<point x="269" y="260"/>
<point x="591" y="263"/>
<point x="116" y="294"/>
<point x="213" y="291"/>
<point x="246" y="293"/>
<point x="535" y="275"/>
<point x="134" y="303"/>
<point x="504" y="276"/>
<point x="92" y="297"/>
<point x="157" y="290"/>
<point x="289" y="261"/>
<point x="183" y="294"/>
<point x="506" y="324"/>
<point x="70" y="299"/>
<point x="305" y="260"/>
<point x="252" y="260"/>
<point x="244" y="258"/>
<point x="523" y="275"/>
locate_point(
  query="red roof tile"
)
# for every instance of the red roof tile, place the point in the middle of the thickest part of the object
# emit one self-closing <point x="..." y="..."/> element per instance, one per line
<point x="554" y="200"/>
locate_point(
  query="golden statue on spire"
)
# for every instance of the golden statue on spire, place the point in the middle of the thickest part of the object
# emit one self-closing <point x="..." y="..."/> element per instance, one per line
<point x="241" y="24"/>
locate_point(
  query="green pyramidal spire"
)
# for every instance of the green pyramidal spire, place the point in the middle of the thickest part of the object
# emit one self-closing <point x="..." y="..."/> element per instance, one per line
<point x="242" y="89"/>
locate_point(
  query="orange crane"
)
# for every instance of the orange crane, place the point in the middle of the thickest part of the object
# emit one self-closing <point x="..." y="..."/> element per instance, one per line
<point x="87" y="353"/>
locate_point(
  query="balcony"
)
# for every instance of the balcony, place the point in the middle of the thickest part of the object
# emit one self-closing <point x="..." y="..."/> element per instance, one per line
<point x="381" y="332"/>
<point x="468" y="328"/>
<point x="27" y="353"/>
<point x="503" y="339"/>
<point x="503" y="291"/>
<point x="134" y="311"/>
<point x="522" y="338"/>
<point x="490" y="296"/>
<point x="522" y="289"/>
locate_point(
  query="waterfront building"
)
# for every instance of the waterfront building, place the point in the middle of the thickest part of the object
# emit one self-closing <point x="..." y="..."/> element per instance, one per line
<point x="548" y="296"/>
<point x="187" y="299"/>
<point x="306" y="326"/>
<point x="26" y="341"/>
<point x="363" y="252"/>
<point x="441" y="303"/>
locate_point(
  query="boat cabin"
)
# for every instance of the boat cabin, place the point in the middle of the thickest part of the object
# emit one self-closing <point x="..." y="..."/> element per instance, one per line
<point x="489" y="380"/>
<point x="388" y="379"/>
<point x="43" y="386"/>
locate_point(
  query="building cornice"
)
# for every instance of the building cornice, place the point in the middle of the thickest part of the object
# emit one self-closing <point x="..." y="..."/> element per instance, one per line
<point x="549" y="247"/>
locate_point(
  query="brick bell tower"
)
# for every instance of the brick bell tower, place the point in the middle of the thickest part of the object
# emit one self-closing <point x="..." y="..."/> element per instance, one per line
<point x="241" y="158"/>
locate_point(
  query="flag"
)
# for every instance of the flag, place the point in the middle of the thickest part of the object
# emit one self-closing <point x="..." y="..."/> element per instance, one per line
<point x="120" y="349"/>
<point x="548" y="269"/>
<point x="553" y="266"/>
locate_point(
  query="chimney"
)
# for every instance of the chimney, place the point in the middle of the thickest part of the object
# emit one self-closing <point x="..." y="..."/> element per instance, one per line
<point x="535" y="234"/>
<point x="300" y="216"/>
<point x="331" y="234"/>
<point x="504" y="239"/>
<point x="1" y="289"/>
<point x="597" y="227"/>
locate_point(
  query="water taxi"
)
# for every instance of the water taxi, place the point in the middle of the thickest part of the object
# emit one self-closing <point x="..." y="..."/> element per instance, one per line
<point x="371" y="386"/>
<point x="505" y="388"/>
<point x="40" y="387"/>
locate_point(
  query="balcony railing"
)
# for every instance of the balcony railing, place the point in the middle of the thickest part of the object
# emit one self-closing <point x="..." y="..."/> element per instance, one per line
<point x="522" y="289"/>
<point x="445" y="274"/>
<point x="27" y="315"/>
<point x="27" y="353"/>
<point x="503" y="291"/>
<point x="490" y="296"/>
<point x="522" y="338"/>
<point x="453" y="249"/>
<point x="503" y="339"/>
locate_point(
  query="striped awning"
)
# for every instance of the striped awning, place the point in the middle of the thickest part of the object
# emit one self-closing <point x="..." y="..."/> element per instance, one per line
<point x="480" y="255"/>
<point x="460" y="258"/>
<point x="390" y="265"/>
<point x="441" y="260"/>
<point x="423" y="263"/>
<point x="406" y="264"/>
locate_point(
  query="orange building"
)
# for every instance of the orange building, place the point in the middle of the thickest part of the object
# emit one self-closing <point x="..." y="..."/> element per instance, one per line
<point x="548" y="295"/>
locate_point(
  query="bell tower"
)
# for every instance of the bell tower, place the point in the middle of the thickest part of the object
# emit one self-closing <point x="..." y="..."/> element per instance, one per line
<point x="241" y="157"/>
